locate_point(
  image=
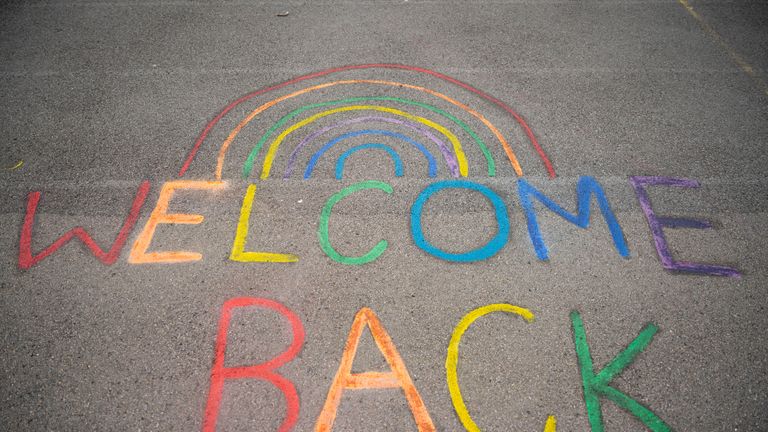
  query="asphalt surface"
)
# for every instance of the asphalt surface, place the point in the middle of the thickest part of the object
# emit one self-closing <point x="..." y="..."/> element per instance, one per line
<point x="97" y="97"/>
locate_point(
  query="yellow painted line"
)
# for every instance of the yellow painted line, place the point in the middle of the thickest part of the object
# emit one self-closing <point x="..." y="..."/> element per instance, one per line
<point x="735" y="56"/>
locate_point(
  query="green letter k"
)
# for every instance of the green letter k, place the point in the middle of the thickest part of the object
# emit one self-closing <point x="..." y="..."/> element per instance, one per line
<point x="596" y="385"/>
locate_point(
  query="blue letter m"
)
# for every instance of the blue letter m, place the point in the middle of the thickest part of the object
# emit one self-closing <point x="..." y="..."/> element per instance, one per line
<point x="586" y="188"/>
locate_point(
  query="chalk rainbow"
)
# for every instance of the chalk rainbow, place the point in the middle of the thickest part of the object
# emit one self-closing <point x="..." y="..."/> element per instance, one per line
<point x="436" y="133"/>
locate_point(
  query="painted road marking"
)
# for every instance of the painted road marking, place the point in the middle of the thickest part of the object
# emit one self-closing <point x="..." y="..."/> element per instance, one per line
<point x="735" y="56"/>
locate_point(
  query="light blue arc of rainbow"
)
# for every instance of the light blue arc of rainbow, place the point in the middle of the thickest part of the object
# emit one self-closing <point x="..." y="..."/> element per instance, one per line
<point x="392" y="153"/>
<point x="316" y="157"/>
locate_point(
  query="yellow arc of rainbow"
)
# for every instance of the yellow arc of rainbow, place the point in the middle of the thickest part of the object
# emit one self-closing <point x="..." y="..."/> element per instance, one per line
<point x="461" y="158"/>
<point x="232" y="135"/>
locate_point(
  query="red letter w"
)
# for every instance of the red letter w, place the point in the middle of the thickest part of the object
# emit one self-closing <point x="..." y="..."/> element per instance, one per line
<point x="27" y="260"/>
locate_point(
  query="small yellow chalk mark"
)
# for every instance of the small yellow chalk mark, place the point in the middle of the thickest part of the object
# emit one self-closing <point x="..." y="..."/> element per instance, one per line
<point x="735" y="56"/>
<point x="17" y="166"/>
<point x="551" y="425"/>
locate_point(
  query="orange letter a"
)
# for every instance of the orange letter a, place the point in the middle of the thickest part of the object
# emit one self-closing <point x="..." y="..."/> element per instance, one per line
<point x="398" y="378"/>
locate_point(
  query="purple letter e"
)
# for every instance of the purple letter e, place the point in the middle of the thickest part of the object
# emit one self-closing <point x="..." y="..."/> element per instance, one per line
<point x="657" y="223"/>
